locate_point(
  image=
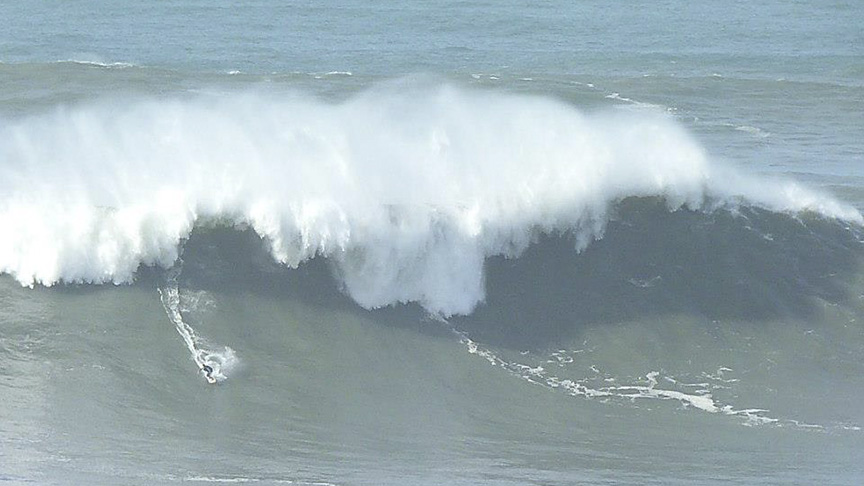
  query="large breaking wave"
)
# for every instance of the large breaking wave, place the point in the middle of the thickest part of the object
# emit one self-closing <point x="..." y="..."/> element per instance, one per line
<point x="406" y="190"/>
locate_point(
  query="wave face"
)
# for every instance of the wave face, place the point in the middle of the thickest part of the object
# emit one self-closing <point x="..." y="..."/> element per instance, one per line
<point x="406" y="189"/>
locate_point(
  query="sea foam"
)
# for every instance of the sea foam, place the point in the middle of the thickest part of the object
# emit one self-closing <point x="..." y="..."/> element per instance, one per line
<point x="406" y="190"/>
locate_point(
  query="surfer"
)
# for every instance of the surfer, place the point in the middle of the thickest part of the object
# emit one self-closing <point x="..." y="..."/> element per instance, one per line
<point x="208" y="373"/>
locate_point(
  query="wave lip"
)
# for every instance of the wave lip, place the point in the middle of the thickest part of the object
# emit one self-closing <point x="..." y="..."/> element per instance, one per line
<point x="406" y="189"/>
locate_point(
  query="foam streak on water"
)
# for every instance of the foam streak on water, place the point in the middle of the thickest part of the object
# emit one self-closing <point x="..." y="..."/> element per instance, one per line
<point x="213" y="364"/>
<point x="585" y="388"/>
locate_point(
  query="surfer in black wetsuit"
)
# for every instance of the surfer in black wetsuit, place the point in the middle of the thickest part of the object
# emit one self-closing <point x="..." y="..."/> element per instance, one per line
<point x="208" y="372"/>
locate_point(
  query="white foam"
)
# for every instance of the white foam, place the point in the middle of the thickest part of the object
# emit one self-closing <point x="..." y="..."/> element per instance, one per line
<point x="701" y="399"/>
<point x="220" y="362"/>
<point x="406" y="189"/>
<point x="240" y="479"/>
<point x="756" y="131"/>
<point x="640" y="105"/>
<point x="211" y="479"/>
<point x="97" y="62"/>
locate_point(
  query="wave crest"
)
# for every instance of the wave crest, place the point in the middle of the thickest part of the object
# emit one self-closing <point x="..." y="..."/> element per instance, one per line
<point x="406" y="190"/>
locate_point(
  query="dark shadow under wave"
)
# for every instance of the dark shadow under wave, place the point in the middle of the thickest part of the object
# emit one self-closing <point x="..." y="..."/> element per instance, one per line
<point x="747" y="265"/>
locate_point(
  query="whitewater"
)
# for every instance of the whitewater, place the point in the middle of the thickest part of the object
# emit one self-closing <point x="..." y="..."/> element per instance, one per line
<point x="406" y="190"/>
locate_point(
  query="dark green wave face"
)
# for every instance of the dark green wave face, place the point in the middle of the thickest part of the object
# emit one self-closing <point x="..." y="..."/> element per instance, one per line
<point x="441" y="244"/>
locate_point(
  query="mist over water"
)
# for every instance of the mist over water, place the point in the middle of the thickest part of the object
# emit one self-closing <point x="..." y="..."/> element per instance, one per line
<point x="414" y="245"/>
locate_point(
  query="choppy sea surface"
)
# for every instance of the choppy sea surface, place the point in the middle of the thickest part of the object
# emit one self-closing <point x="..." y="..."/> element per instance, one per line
<point x="448" y="243"/>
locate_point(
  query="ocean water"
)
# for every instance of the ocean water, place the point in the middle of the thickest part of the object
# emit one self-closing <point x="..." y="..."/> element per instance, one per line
<point x="431" y="243"/>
